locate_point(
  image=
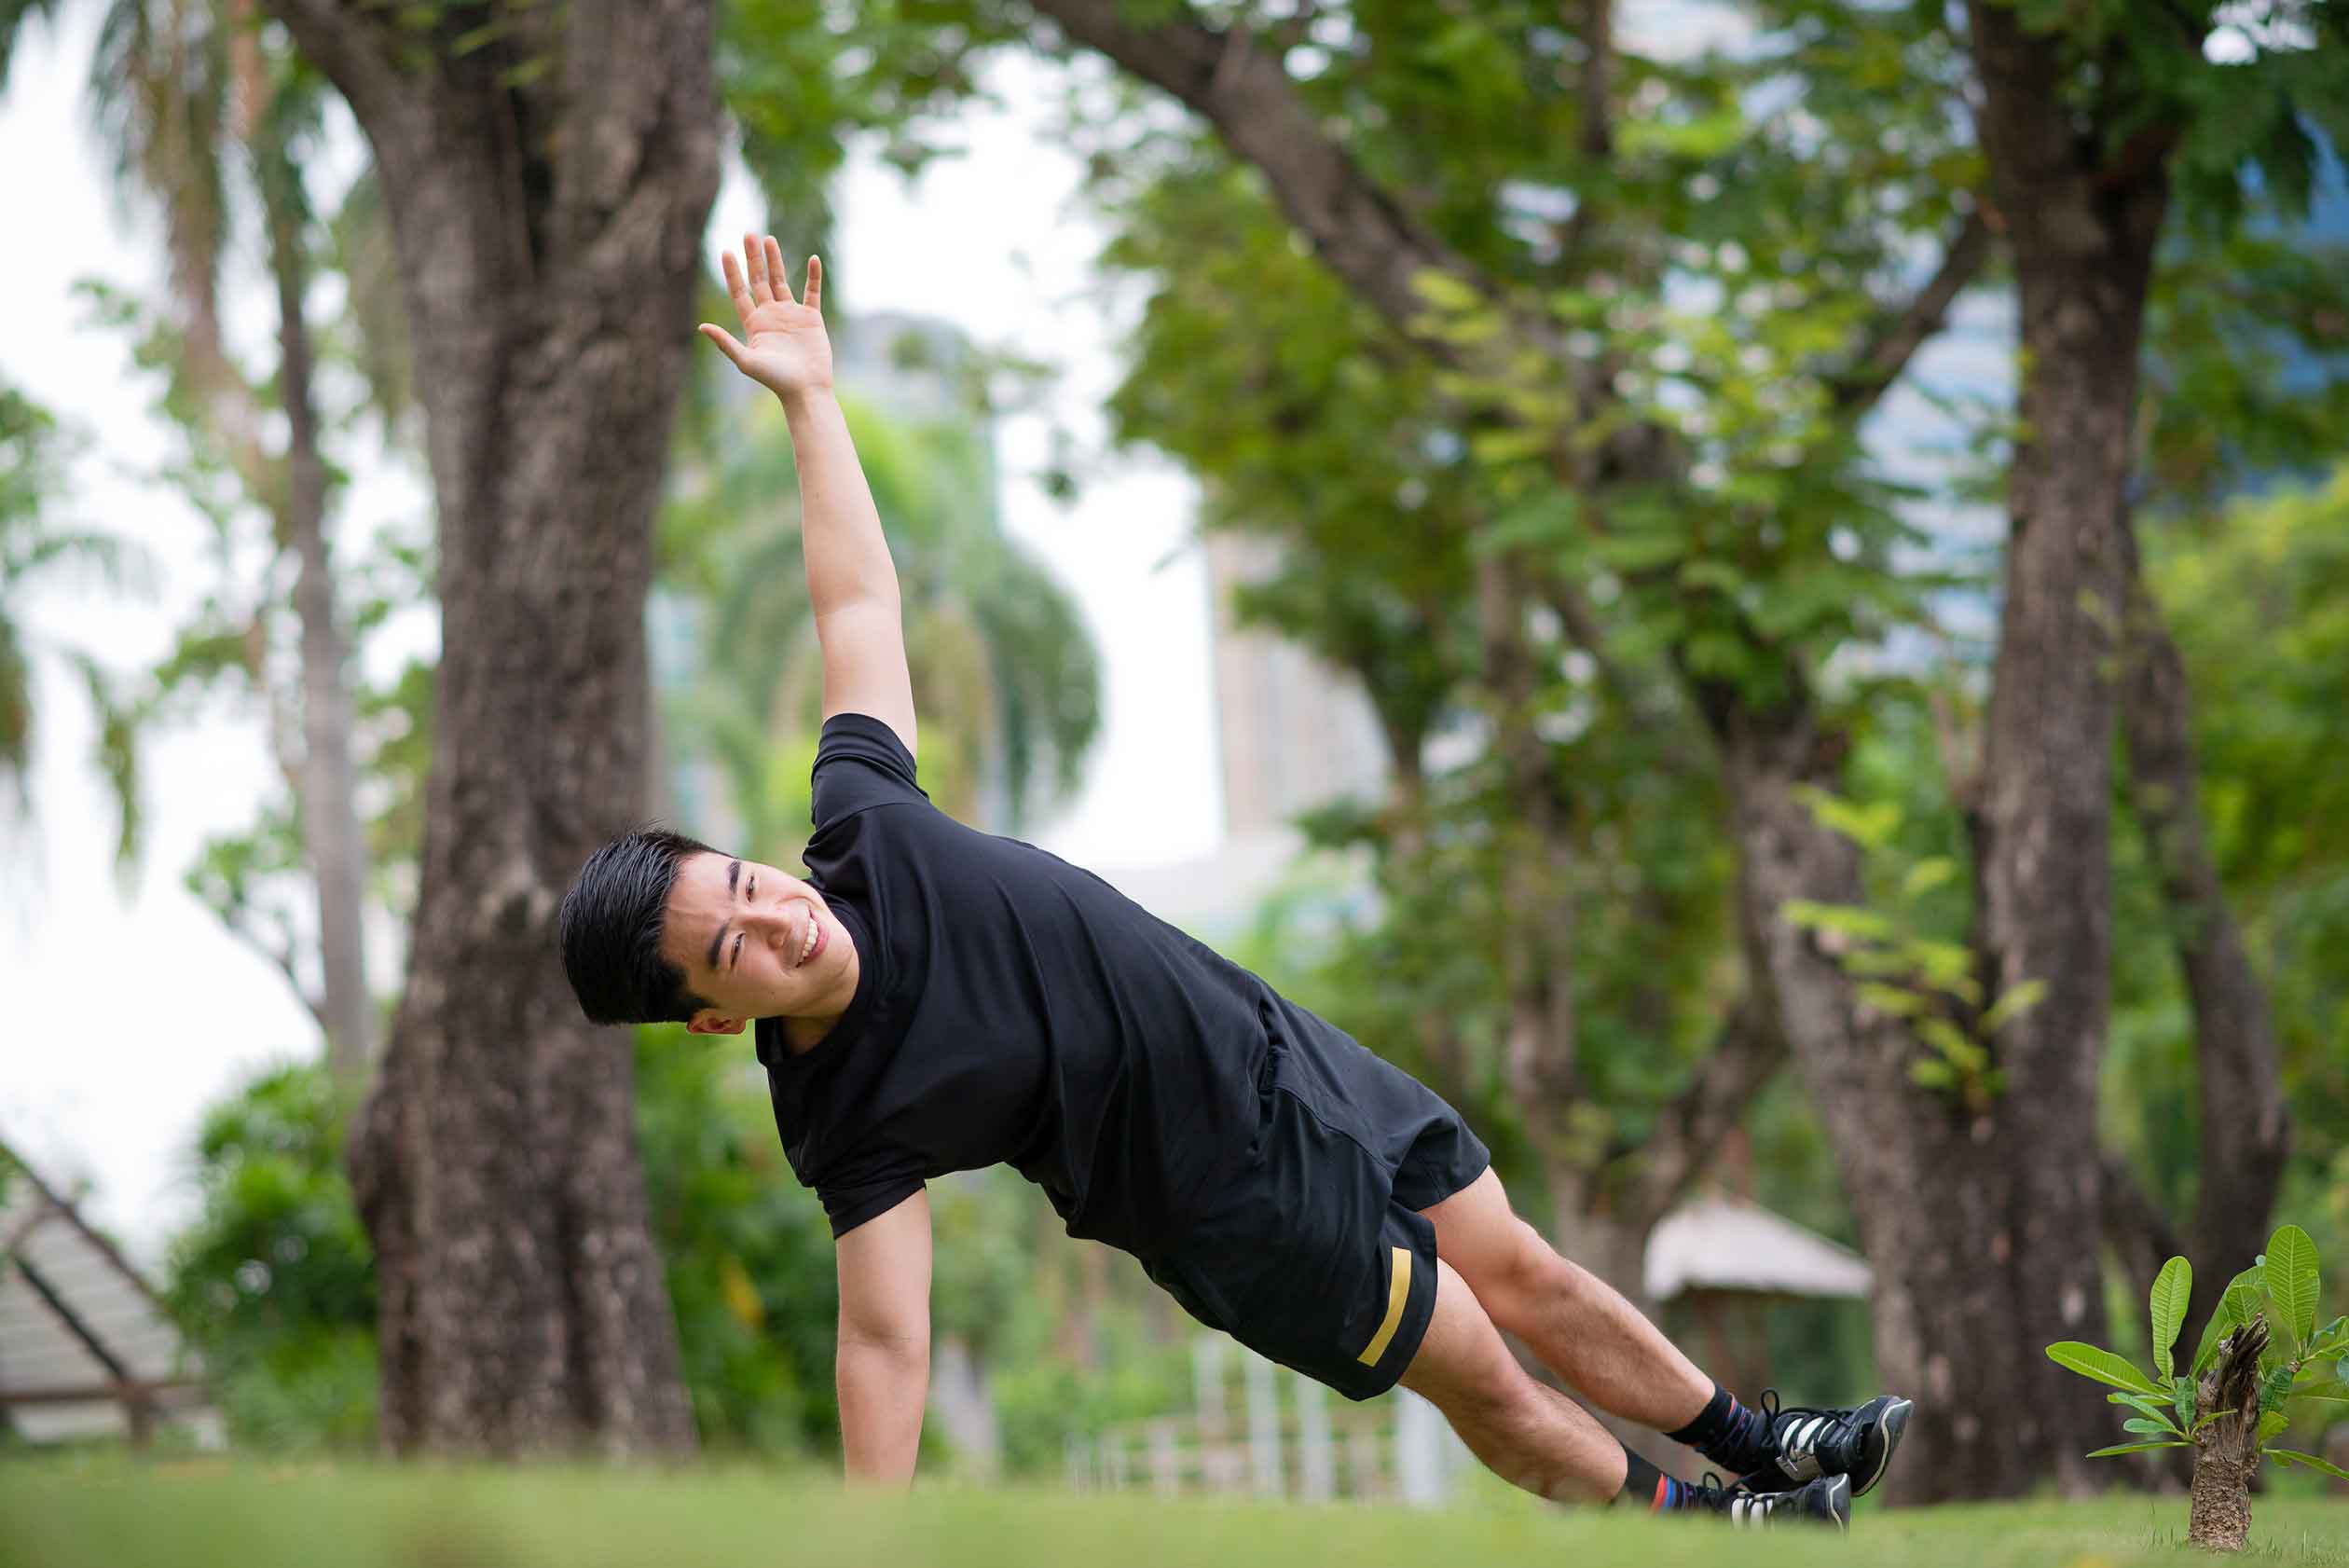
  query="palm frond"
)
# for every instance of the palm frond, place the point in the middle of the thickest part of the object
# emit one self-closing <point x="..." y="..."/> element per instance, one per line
<point x="14" y="14"/>
<point x="116" y="755"/>
<point x="159" y="84"/>
<point x="16" y="718"/>
<point x="119" y="565"/>
<point x="360" y="236"/>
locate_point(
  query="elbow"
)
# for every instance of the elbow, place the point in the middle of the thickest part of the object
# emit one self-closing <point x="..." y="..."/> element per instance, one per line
<point x="900" y="1345"/>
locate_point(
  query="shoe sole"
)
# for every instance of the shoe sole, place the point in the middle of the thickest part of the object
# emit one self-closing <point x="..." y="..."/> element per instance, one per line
<point x="1891" y="1419"/>
<point x="1839" y="1504"/>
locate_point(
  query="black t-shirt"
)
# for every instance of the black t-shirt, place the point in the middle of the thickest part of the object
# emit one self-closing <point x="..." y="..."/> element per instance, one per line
<point x="1011" y="1009"/>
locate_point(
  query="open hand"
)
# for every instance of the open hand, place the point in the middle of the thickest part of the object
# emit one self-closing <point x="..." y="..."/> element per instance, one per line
<point x="788" y="350"/>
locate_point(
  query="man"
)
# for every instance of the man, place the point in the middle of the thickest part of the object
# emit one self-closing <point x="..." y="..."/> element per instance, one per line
<point x="932" y="998"/>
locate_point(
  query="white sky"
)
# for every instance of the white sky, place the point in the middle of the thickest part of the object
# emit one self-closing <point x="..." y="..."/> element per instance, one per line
<point x="123" y="1018"/>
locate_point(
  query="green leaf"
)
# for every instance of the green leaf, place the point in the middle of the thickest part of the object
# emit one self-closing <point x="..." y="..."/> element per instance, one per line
<point x="2152" y="1428"/>
<point x="1932" y="1073"/>
<point x="2282" y="1340"/>
<point x="2272" y="1423"/>
<point x="2101" y="1365"/>
<point x="1928" y="874"/>
<point x="2274" y="1388"/>
<point x="523" y="73"/>
<point x="2223" y="1320"/>
<point x="2171" y="1289"/>
<point x="1637" y="553"/>
<point x="1946" y="963"/>
<point x="2324" y="1388"/>
<point x="2247" y="1294"/>
<point x="1707" y="571"/>
<point x="2136" y="1448"/>
<point x="2291" y="1279"/>
<point x="2293" y="1456"/>
<point x="1890" y="999"/>
<point x="1951" y="1041"/>
<point x="1443" y="291"/>
<point x="1839" y="919"/>
<point x="1871" y="827"/>
<point x="2012" y="1005"/>
<point x="1507" y="445"/>
<point x="2149" y="1405"/>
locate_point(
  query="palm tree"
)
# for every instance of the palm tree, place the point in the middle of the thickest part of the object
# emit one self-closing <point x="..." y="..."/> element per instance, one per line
<point x="34" y="546"/>
<point x="1005" y="671"/>
<point x="178" y="89"/>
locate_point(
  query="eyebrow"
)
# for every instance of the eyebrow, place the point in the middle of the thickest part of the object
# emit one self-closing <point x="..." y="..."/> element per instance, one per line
<point x="733" y="874"/>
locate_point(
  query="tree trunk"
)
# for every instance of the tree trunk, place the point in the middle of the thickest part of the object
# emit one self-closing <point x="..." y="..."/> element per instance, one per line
<point x="2245" y="1125"/>
<point x="1979" y="1217"/>
<point x="2227" y="1451"/>
<point x="1942" y="1192"/>
<point x="330" y="813"/>
<point x="547" y="192"/>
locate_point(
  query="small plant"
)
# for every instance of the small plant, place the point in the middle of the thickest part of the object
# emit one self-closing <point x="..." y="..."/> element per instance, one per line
<point x="2262" y="1349"/>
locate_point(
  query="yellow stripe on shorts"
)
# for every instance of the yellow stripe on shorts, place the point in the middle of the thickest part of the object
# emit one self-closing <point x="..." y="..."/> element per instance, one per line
<point x="1398" y="1292"/>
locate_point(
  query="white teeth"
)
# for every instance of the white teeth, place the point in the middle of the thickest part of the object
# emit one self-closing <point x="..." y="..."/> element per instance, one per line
<point x="807" y="943"/>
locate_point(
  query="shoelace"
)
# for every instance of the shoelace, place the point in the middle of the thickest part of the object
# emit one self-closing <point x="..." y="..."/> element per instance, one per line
<point x="1740" y="1507"/>
<point x="1787" y="1418"/>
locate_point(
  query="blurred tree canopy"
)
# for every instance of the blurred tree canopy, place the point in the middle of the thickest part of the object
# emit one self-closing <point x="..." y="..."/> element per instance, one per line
<point x="1542" y="351"/>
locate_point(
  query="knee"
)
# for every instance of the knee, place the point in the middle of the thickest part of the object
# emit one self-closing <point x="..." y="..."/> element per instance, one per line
<point x="1527" y="1275"/>
<point x="1504" y="1399"/>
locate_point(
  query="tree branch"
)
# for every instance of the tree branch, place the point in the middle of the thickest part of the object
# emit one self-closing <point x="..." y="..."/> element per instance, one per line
<point x="1746" y="1053"/>
<point x="1358" y="228"/>
<point x="1654" y="702"/>
<point x="1596" y="141"/>
<point x="2246" y="1127"/>
<point x="345" y="43"/>
<point x="281" y="953"/>
<point x="1897" y="336"/>
<point x="2135" y="1226"/>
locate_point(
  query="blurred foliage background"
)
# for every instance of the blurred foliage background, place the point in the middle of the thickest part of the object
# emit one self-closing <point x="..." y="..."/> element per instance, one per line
<point x="1711" y="238"/>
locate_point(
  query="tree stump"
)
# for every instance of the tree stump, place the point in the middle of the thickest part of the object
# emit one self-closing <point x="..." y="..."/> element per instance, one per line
<point x="2227" y="1450"/>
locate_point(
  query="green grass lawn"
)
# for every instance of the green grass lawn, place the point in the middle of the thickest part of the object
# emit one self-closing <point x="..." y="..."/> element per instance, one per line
<point x="189" y="1513"/>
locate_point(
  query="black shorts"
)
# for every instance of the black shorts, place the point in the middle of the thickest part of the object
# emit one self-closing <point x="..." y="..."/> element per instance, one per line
<point x="1318" y="1258"/>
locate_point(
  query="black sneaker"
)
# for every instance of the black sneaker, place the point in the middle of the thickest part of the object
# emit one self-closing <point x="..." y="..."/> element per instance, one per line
<point x="1857" y="1443"/>
<point x="1825" y="1501"/>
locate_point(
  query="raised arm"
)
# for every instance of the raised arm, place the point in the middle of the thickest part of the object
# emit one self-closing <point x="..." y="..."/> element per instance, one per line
<point x="884" y="1352"/>
<point x="851" y="580"/>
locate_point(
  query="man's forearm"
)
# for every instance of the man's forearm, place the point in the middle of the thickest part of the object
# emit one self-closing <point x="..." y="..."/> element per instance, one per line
<point x="840" y="529"/>
<point x="883" y="1386"/>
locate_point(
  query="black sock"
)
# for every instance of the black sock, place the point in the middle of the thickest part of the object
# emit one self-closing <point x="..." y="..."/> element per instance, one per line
<point x="1651" y="1488"/>
<point x="1731" y="1436"/>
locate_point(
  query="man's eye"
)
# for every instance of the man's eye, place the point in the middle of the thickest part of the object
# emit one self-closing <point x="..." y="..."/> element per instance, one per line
<point x="753" y="890"/>
<point x="734" y="958"/>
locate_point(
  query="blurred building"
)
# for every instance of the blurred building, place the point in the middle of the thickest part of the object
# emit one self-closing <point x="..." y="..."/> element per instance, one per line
<point x="1292" y="733"/>
<point x="1295" y="732"/>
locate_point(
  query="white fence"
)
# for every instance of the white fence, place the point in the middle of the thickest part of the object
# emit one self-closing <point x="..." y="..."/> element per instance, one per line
<point x="1276" y="1434"/>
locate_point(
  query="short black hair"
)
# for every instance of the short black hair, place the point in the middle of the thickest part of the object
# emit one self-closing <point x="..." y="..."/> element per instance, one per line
<point x="610" y="930"/>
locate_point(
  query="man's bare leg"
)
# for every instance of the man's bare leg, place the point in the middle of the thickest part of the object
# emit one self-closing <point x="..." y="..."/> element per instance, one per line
<point x="1534" y="1437"/>
<point x="1525" y="1432"/>
<point x="1576" y="1323"/>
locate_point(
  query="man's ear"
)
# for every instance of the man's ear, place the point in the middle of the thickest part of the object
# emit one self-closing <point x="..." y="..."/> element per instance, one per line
<point x="709" y="1021"/>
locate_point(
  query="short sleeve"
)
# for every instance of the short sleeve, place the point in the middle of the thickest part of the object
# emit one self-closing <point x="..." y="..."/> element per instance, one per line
<point x="867" y="1189"/>
<point x="861" y="762"/>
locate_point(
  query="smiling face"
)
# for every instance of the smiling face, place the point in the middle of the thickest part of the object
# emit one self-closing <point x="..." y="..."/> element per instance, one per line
<point x="755" y="942"/>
